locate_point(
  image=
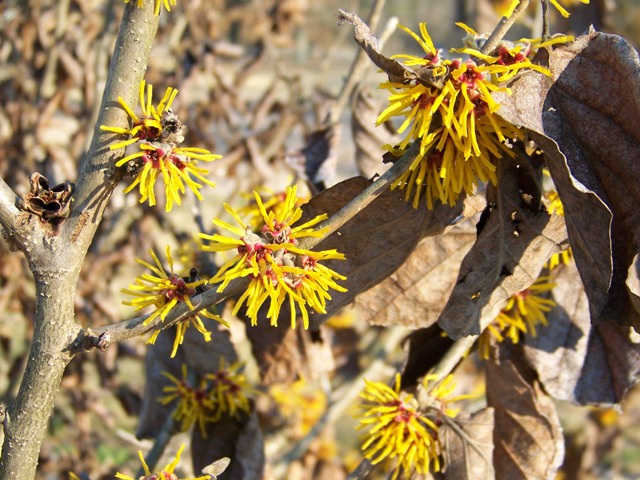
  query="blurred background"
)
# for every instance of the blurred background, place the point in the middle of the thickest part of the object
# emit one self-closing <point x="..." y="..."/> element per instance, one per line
<point x="256" y="78"/>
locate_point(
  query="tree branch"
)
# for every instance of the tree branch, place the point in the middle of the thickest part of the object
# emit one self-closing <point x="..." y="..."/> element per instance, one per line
<point x="502" y="28"/>
<point x="102" y="337"/>
<point x="8" y="210"/>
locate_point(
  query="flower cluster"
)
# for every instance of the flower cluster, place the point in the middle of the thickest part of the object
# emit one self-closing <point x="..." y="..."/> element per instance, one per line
<point x="165" y="473"/>
<point x="157" y="134"/>
<point x="563" y="11"/>
<point x="448" y="107"/>
<point x="277" y="267"/>
<point x="158" y="4"/>
<point x="222" y="393"/>
<point x="524" y="311"/>
<point x="164" y="290"/>
<point x="397" y="430"/>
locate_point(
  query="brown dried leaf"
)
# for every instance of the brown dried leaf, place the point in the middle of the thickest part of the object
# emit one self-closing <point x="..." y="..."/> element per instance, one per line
<point x="376" y="241"/>
<point x="368" y="137"/>
<point x="514" y="242"/>
<point x="413" y="295"/>
<point x="241" y="441"/>
<point x="200" y="357"/>
<point x="527" y="434"/>
<point x="586" y="118"/>
<point x="575" y="361"/>
<point x="463" y="462"/>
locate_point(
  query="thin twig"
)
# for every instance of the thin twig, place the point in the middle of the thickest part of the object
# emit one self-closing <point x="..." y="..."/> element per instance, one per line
<point x="450" y="360"/>
<point x="359" y="203"/>
<point x="545" y="20"/>
<point x="117" y="332"/>
<point x="503" y="27"/>
<point x="358" y="67"/>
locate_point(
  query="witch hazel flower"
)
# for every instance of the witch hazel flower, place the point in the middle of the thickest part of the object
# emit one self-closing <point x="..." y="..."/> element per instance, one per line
<point x="278" y="269"/>
<point x="397" y="432"/>
<point x="163" y="290"/>
<point x="156" y="134"/>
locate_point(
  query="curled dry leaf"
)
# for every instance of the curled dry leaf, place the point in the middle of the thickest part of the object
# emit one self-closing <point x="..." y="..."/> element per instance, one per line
<point x="425" y="347"/>
<point x="515" y="239"/>
<point x="586" y="118"/>
<point x="578" y="362"/>
<point x="376" y="241"/>
<point x="462" y="448"/>
<point x="527" y="435"/>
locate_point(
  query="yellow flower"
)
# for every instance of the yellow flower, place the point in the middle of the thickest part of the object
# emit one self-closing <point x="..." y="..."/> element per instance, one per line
<point x="157" y="132"/>
<point x="452" y="114"/>
<point x="156" y="123"/>
<point x="176" y="165"/>
<point x="397" y="430"/>
<point x="290" y="398"/>
<point x="163" y="291"/>
<point x="278" y="269"/>
<point x="230" y="390"/>
<point x="158" y="3"/>
<point x="524" y="311"/>
<point x="164" y="474"/>
<point x="194" y="404"/>
<point x="225" y="392"/>
<point x="555" y="3"/>
<point x="275" y="202"/>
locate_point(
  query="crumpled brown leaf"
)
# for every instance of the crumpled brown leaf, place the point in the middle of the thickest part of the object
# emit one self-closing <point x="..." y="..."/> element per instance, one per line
<point x="376" y="241"/>
<point x="586" y="118"/>
<point x="527" y="433"/>
<point x="515" y="240"/>
<point x="578" y="362"/>
<point x="463" y="462"/>
<point x="284" y="354"/>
